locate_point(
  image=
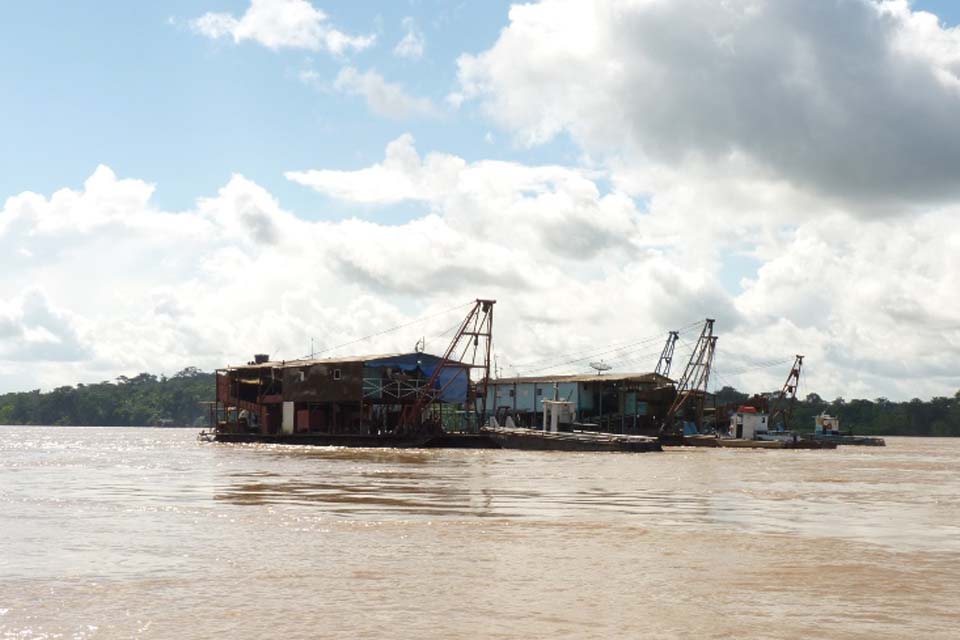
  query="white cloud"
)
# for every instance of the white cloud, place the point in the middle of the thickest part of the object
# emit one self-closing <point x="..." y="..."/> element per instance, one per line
<point x="279" y="24"/>
<point x="819" y="139"/>
<point x="400" y="176"/>
<point x="836" y="287"/>
<point x="572" y="264"/>
<point x="237" y="273"/>
<point x="873" y="299"/>
<point x="557" y="208"/>
<point x="32" y="330"/>
<point x="851" y="100"/>
<point x="758" y="128"/>
<point x="412" y="44"/>
<point x="384" y="98"/>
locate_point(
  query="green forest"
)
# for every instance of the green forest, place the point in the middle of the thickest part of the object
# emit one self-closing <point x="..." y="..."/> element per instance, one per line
<point x="144" y="400"/>
<point x="149" y="400"/>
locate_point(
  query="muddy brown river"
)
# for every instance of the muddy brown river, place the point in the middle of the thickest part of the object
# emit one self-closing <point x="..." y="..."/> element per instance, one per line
<point x="146" y="533"/>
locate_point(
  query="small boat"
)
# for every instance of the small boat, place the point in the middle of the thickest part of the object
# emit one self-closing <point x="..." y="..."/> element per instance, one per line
<point x="826" y="428"/>
<point x="749" y="430"/>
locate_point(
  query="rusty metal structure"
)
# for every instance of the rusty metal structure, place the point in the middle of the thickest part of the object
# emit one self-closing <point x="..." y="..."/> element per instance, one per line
<point x="477" y="326"/>
<point x="781" y="409"/>
<point x="374" y="400"/>
<point x="692" y="385"/>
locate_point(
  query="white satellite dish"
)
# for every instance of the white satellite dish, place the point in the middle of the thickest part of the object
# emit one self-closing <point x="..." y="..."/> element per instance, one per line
<point x="600" y="366"/>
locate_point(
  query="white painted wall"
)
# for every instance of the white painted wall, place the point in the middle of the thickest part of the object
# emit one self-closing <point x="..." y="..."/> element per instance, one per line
<point x="288" y="413"/>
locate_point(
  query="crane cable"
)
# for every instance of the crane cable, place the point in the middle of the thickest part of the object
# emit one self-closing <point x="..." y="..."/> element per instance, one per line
<point x="394" y="328"/>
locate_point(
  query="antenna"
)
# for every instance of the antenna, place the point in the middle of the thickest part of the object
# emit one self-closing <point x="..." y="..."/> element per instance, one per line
<point x="600" y="366"/>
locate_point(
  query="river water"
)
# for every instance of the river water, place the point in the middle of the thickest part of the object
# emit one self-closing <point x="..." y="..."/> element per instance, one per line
<point x="146" y="533"/>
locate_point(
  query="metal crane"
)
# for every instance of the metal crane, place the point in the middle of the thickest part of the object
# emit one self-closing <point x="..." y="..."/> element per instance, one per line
<point x="666" y="356"/>
<point x="696" y="376"/>
<point x="781" y="410"/>
<point x="477" y="326"/>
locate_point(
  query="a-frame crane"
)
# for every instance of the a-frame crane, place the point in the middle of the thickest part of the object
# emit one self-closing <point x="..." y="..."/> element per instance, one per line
<point x="692" y="386"/>
<point x="473" y="340"/>
<point x="781" y="410"/>
<point x="666" y="356"/>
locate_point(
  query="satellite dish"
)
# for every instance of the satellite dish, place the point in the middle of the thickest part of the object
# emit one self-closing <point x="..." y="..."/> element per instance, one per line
<point x="600" y="366"/>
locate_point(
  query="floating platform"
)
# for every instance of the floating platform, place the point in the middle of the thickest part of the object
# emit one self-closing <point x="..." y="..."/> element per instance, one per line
<point x="698" y="440"/>
<point x="800" y="443"/>
<point x="536" y="440"/>
<point x="848" y="440"/>
<point x="487" y="438"/>
<point x="324" y="439"/>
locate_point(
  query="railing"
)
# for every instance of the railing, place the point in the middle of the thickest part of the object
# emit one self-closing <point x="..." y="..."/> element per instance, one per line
<point x="395" y="390"/>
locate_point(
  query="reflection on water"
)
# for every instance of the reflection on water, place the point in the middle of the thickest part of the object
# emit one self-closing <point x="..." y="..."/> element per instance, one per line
<point x="822" y="494"/>
<point x="144" y="532"/>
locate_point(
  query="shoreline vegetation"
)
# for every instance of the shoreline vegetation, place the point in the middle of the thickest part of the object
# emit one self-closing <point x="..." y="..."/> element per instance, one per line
<point x="149" y="400"/>
<point x="145" y="400"/>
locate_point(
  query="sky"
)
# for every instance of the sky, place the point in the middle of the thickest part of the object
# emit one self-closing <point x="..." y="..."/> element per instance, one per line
<point x="188" y="183"/>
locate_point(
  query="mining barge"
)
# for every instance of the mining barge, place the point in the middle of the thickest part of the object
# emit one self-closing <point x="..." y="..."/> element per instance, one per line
<point x="396" y="400"/>
<point x="421" y="400"/>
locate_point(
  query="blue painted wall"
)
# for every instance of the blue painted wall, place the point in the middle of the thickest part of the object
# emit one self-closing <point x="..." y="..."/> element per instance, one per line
<point x="456" y="380"/>
<point x="529" y="396"/>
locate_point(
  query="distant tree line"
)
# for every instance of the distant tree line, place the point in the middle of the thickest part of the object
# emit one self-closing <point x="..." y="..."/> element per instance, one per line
<point x="147" y="400"/>
<point x="144" y="400"/>
<point x="939" y="416"/>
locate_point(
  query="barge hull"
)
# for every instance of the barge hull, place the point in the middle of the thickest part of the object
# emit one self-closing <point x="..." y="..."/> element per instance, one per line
<point x="326" y="440"/>
<point x="736" y="443"/>
<point x="520" y="439"/>
<point x="861" y="441"/>
<point x="534" y="440"/>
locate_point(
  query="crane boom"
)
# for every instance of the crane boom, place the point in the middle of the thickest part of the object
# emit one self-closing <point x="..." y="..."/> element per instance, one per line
<point x="782" y="408"/>
<point x="696" y="376"/>
<point x="666" y="356"/>
<point x="477" y="325"/>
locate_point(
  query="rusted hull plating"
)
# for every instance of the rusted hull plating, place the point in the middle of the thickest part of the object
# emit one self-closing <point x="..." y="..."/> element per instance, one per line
<point x="521" y="439"/>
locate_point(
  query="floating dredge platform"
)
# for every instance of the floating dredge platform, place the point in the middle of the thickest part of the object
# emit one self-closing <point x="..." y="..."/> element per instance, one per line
<point x="420" y="400"/>
<point x="487" y="438"/>
<point x="701" y="440"/>
<point x="739" y="443"/>
<point x="535" y="440"/>
<point x="827" y="429"/>
<point x="849" y="440"/>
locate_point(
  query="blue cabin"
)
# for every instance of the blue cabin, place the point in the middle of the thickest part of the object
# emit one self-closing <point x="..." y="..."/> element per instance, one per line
<point x="629" y="402"/>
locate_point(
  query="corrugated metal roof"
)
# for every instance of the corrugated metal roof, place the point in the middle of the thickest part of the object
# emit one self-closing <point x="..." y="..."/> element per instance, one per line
<point x="586" y="377"/>
<point x="287" y="364"/>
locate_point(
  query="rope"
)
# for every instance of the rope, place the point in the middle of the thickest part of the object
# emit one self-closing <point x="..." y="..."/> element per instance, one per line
<point x="394" y="328"/>
<point x="526" y="367"/>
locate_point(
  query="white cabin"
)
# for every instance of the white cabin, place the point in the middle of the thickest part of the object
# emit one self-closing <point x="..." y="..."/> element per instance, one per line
<point x="825" y="423"/>
<point x="747" y="423"/>
<point x="557" y="412"/>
